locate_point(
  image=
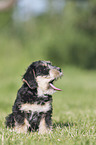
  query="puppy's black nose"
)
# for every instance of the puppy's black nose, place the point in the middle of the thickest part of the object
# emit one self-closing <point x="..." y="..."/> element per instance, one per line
<point x="58" y="68"/>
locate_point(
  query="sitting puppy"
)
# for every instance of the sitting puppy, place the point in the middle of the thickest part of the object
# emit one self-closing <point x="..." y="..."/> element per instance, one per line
<point x="32" y="109"/>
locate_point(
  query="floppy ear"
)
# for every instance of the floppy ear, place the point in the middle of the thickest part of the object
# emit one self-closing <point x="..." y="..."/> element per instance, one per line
<point x="29" y="78"/>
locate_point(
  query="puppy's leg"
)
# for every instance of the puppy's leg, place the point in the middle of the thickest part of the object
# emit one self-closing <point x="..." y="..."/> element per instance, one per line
<point x="10" y="122"/>
<point x="18" y="122"/>
<point x="21" y="128"/>
<point x="45" y="125"/>
<point x="21" y="122"/>
<point x="48" y="119"/>
<point x="42" y="126"/>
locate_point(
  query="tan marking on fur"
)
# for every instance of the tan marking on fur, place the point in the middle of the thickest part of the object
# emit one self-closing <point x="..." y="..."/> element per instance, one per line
<point x="36" y="107"/>
<point x="54" y="73"/>
<point x="21" y="128"/>
<point x="43" y="82"/>
<point x="42" y="126"/>
<point x="43" y="85"/>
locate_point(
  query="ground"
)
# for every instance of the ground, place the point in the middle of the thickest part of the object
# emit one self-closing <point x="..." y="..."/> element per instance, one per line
<point x="74" y="109"/>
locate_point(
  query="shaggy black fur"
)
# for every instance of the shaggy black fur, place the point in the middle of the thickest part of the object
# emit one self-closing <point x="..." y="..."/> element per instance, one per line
<point x="28" y="94"/>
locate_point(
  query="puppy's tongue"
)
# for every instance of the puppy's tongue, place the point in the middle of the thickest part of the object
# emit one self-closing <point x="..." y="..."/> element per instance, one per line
<point x="57" y="89"/>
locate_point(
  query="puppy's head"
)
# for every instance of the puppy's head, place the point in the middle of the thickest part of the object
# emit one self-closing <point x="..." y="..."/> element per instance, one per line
<point x="41" y="75"/>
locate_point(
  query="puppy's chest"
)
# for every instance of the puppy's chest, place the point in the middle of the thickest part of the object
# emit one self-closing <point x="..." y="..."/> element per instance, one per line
<point x="40" y="105"/>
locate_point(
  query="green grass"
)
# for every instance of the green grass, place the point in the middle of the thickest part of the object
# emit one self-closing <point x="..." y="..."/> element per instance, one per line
<point x="74" y="114"/>
<point x="74" y="109"/>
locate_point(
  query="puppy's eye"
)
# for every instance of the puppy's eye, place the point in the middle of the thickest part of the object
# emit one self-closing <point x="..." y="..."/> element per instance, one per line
<point x="45" y="71"/>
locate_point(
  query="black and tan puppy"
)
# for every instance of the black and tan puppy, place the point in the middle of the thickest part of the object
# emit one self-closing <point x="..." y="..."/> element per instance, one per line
<point x="32" y="109"/>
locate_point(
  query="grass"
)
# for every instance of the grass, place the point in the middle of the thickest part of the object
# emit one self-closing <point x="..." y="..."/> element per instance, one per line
<point x="74" y="109"/>
<point x="74" y="114"/>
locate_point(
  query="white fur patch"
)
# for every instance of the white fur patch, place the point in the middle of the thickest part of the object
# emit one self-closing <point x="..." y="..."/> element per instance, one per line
<point x="43" y="85"/>
<point x="21" y="128"/>
<point x="36" y="107"/>
<point x="43" y="82"/>
<point x="42" y="126"/>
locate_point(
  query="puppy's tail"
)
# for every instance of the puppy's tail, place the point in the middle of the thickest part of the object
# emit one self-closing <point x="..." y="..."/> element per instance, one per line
<point x="10" y="122"/>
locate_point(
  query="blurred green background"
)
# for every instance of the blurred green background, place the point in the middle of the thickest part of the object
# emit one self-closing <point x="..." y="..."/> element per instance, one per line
<point x="64" y="32"/>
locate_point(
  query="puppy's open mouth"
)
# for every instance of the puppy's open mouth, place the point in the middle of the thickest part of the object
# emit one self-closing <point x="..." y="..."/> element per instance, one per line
<point x="53" y="87"/>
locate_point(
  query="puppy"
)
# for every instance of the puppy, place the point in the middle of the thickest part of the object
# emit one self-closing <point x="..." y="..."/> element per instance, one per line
<point x="32" y="110"/>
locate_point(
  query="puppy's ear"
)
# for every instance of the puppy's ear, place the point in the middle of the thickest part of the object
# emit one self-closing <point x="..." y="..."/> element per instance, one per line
<point x="29" y="78"/>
